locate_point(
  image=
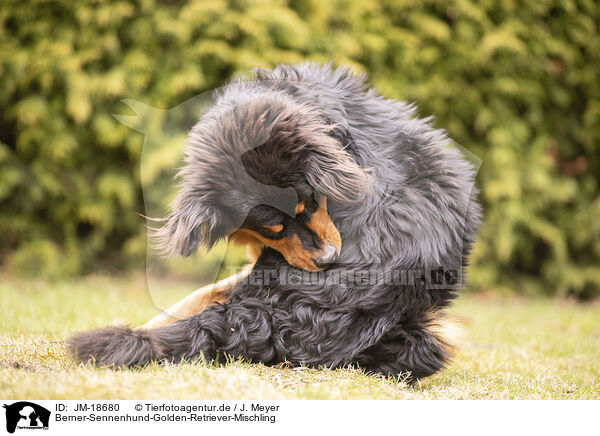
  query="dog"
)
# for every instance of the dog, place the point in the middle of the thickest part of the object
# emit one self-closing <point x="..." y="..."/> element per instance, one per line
<point x="375" y="189"/>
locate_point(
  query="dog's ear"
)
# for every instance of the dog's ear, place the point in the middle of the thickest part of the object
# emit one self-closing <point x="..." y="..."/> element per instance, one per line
<point x="333" y="169"/>
<point x="191" y="222"/>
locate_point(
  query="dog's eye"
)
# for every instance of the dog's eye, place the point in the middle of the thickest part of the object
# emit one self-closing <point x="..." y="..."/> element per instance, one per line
<point x="276" y="228"/>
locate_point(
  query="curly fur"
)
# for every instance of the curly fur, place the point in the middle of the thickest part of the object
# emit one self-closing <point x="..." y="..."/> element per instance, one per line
<point x="325" y="128"/>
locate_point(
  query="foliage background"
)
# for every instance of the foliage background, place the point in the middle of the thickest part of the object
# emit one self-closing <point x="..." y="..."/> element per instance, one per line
<point x="514" y="82"/>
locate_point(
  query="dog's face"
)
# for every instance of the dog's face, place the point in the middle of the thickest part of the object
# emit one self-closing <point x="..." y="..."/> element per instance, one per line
<point x="309" y="241"/>
<point x="236" y="163"/>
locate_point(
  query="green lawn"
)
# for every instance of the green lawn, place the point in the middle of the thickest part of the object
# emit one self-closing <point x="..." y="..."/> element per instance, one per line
<point x="515" y="348"/>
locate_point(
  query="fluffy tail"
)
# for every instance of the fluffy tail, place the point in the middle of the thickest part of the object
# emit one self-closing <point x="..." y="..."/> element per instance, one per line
<point x="124" y="347"/>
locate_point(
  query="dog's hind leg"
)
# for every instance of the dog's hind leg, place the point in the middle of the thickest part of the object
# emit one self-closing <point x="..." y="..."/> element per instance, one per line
<point x="414" y="348"/>
<point x="198" y="300"/>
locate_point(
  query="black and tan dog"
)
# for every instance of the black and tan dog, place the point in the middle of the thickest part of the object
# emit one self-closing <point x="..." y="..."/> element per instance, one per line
<point x="382" y="207"/>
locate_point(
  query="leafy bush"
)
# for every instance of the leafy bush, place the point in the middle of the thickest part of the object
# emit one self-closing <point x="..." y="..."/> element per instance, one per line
<point x="514" y="82"/>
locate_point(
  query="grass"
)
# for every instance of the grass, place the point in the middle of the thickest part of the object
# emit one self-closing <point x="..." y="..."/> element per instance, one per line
<point x="515" y="349"/>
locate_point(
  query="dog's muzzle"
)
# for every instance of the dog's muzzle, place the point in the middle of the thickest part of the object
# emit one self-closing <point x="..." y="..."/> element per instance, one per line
<point x="329" y="255"/>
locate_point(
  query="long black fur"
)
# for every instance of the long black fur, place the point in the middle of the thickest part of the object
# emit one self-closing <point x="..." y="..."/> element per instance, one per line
<point x="382" y="327"/>
<point x="377" y="327"/>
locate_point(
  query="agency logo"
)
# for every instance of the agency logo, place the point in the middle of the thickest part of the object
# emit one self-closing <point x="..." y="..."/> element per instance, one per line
<point x="26" y="415"/>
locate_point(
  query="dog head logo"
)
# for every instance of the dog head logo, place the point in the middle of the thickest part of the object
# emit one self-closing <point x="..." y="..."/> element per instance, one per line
<point x="26" y="415"/>
<point x="259" y="172"/>
<point x="200" y="222"/>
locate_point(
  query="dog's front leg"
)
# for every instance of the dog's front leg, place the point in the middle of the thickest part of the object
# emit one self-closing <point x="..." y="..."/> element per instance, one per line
<point x="198" y="300"/>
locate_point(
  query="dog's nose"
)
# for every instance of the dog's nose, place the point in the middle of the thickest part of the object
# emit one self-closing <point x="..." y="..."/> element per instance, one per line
<point x="328" y="256"/>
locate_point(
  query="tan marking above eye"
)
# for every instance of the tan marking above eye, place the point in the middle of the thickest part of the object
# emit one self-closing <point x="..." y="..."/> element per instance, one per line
<point x="276" y="228"/>
<point x="300" y="207"/>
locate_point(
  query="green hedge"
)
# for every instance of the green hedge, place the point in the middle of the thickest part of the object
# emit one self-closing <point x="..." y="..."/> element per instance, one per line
<point x="514" y="82"/>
